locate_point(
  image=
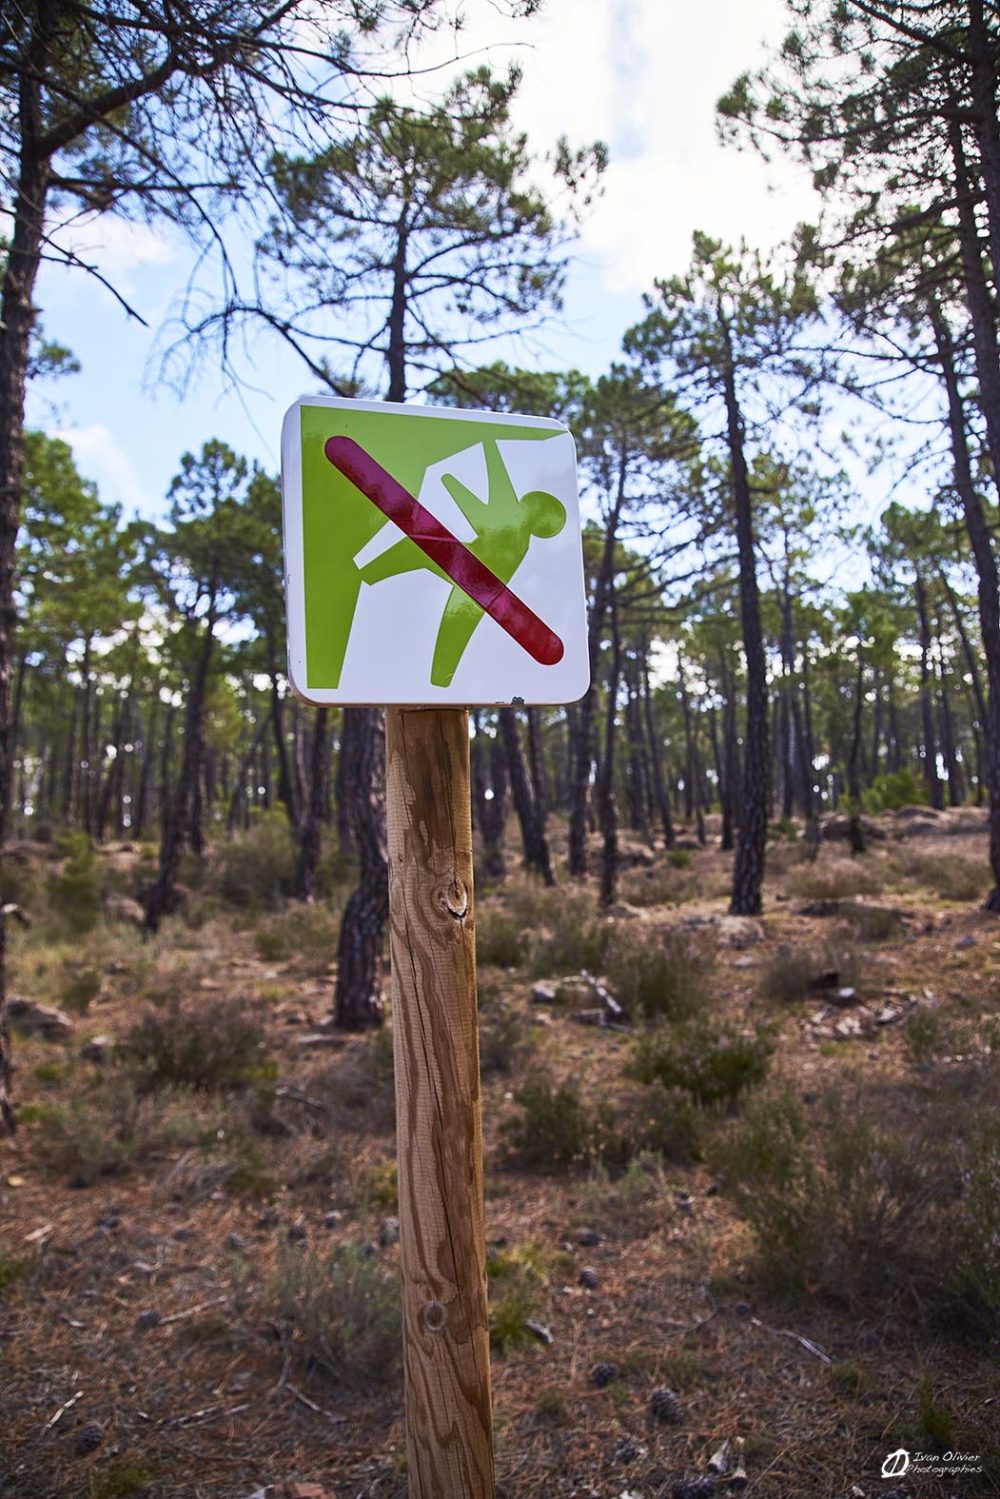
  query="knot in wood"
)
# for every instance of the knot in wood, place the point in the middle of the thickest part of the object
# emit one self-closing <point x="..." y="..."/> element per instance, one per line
<point x="435" y="1316"/>
<point x="452" y="898"/>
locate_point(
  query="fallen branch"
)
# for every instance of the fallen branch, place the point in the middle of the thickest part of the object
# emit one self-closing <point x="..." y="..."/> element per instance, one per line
<point x="62" y="1411"/>
<point x="191" y="1311"/>
<point x="784" y="1332"/>
<point x="312" y="1406"/>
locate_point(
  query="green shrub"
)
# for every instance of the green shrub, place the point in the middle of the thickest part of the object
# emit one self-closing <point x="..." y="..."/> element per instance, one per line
<point x="936" y="1424"/>
<point x="789" y="973"/>
<point x="951" y="876"/>
<point x="211" y="1043"/>
<point x="890" y="792"/>
<point x="516" y="1278"/>
<point x="74" y="894"/>
<point x="714" y="1067"/>
<point x="663" y="885"/>
<point x="338" y="1312"/>
<point x="111" y="1128"/>
<point x="834" y="879"/>
<point x="572" y="937"/>
<point x="659" y="975"/>
<point x="923" y="1034"/>
<point x="12" y="1269"/>
<point x="381" y="1185"/>
<point x="304" y="933"/>
<point x="679" y="858"/>
<point x="871" y="923"/>
<point x="554" y="1128"/>
<point x="503" y="1041"/>
<point x="257" y="867"/>
<point x="122" y="1480"/>
<point x="18" y="881"/>
<point x="501" y="940"/>
<point x="863" y="1205"/>
<point x="81" y="989"/>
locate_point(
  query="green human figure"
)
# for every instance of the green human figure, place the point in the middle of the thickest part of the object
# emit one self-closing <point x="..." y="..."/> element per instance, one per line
<point x="504" y="526"/>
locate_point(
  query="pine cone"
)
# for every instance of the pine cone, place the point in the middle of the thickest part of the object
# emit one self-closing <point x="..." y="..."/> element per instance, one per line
<point x="588" y="1278"/>
<point x="89" y="1437"/>
<point x="694" y="1488"/>
<point x="664" y="1405"/>
<point x="603" y="1374"/>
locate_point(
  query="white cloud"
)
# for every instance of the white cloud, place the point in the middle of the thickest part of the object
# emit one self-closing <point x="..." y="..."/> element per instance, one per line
<point x="99" y="457"/>
<point x="115" y="246"/>
<point x="644" y="75"/>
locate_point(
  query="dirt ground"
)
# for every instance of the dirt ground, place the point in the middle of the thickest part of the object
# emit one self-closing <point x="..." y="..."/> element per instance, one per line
<point x="146" y="1233"/>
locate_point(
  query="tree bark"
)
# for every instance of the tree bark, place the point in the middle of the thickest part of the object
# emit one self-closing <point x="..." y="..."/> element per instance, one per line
<point x="608" y="807"/>
<point x="536" y="847"/>
<point x="312" y="823"/>
<point x="856" y="832"/>
<point x="579" y="849"/>
<point x="358" y="1001"/>
<point x="748" y="871"/>
<point x="161" y="897"/>
<point x="660" y="792"/>
<point x="988" y="591"/>
<point x="926" y="702"/>
<point x="489" y="755"/>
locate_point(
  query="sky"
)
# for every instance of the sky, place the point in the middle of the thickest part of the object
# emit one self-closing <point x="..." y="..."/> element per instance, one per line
<point x="641" y="75"/>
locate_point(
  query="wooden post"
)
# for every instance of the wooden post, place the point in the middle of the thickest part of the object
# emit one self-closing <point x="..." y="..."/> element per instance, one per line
<point x="449" y="1438"/>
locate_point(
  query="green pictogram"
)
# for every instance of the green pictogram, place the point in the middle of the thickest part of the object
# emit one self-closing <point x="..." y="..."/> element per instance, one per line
<point x="338" y="521"/>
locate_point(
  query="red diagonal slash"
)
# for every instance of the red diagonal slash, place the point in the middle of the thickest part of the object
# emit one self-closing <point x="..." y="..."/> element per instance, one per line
<point x="441" y="546"/>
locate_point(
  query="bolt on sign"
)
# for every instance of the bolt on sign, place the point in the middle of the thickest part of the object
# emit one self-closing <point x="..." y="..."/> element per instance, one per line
<point x="432" y="556"/>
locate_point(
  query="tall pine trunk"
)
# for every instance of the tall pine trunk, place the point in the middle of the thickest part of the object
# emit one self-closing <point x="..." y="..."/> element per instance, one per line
<point x="536" y="847"/>
<point x="358" y="998"/>
<point x="748" y="870"/>
<point x="312" y="822"/>
<point x="176" y="816"/>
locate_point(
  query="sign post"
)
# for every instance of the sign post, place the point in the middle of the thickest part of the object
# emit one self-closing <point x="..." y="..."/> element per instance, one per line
<point x="435" y="1034"/>
<point x="433" y="560"/>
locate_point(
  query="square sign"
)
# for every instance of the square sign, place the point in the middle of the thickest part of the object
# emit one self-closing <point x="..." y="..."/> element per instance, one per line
<point x="432" y="556"/>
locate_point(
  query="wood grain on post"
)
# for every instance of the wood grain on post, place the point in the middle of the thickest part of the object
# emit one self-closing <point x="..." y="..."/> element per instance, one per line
<point x="449" y="1434"/>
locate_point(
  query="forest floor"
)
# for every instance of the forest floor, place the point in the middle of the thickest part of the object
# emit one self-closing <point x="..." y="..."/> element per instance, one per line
<point x="795" y="1233"/>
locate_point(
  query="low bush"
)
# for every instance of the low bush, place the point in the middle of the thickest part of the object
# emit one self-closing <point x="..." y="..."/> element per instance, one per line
<point x="212" y="1043"/>
<point x="81" y="988"/>
<point x="555" y="1129"/>
<point x="338" y="1313"/>
<point x="516" y="1279"/>
<point x="257" y="866"/>
<point x="502" y="941"/>
<point x="74" y="893"/>
<point x="890" y="792"/>
<point x="789" y="973"/>
<point x="570" y="936"/>
<point x="12" y="1270"/>
<point x="659" y="975"/>
<point x="714" y="1067"/>
<point x="306" y="934"/>
<point x="796" y="973"/>
<point x="111" y="1128"/>
<point x="950" y="876"/>
<point x="666" y="884"/>
<point x="834" y="879"/>
<point x="504" y="1040"/>
<point x="863" y="1202"/>
<point x="18" y="881"/>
